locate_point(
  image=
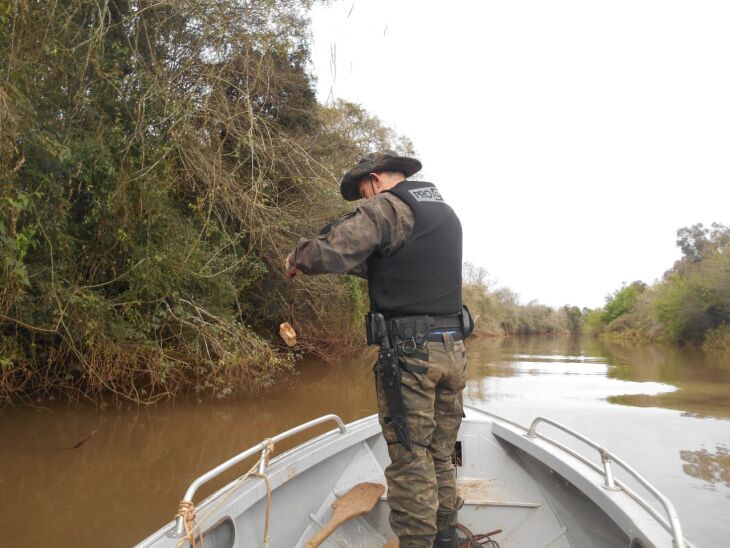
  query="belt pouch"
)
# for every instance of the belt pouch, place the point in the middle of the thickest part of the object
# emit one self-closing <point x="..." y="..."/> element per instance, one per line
<point x="411" y="327"/>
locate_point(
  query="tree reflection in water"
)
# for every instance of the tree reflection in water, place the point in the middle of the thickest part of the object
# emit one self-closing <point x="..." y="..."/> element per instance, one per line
<point x="711" y="467"/>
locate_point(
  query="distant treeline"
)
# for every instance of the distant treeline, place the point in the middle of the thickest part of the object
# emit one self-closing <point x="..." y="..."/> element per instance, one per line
<point x="690" y="304"/>
<point x="158" y="160"/>
<point x="498" y="312"/>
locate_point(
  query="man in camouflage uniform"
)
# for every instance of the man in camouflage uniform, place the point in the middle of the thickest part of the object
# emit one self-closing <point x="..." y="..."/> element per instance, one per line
<point x="407" y="242"/>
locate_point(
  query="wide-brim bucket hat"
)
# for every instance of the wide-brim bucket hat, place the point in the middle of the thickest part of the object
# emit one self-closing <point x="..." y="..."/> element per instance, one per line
<point x="376" y="161"/>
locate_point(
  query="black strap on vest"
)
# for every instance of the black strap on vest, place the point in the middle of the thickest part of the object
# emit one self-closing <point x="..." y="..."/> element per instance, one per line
<point x="423" y="276"/>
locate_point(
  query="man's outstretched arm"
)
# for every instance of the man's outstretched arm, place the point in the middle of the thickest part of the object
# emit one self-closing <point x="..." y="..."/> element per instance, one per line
<point x="380" y="225"/>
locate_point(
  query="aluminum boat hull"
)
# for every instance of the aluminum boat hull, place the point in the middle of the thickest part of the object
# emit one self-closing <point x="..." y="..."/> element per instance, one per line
<point x="532" y="488"/>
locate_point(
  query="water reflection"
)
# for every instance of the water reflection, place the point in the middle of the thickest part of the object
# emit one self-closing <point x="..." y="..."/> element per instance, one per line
<point x="702" y="379"/>
<point x="560" y="358"/>
<point x="561" y="369"/>
<point x="685" y="379"/>
<point x="712" y="467"/>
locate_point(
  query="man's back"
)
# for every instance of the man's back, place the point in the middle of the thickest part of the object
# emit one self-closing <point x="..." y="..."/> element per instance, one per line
<point x="424" y="276"/>
<point x="407" y="241"/>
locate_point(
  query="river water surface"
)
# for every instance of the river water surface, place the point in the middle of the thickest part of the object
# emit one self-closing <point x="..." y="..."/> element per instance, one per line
<point x="664" y="410"/>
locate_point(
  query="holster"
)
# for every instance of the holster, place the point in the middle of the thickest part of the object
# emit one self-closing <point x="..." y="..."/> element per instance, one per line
<point x="376" y="328"/>
<point x="467" y="322"/>
<point x="389" y="374"/>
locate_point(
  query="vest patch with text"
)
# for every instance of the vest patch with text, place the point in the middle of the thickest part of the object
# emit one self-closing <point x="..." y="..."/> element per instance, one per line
<point x="427" y="194"/>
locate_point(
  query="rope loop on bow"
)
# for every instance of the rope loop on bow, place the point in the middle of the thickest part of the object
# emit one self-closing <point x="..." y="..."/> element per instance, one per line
<point x="186" y="510"/>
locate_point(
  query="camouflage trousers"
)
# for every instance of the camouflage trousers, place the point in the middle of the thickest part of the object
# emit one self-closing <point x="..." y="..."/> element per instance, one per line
<point x="422" y="482"/>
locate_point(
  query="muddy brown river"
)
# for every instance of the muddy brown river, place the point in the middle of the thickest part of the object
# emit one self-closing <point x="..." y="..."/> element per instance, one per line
<point x="664" y="410"/>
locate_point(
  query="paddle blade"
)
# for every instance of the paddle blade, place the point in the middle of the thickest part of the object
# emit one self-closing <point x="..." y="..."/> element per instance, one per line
<point x="356" y="502"/>
<point x="359" y="500"/>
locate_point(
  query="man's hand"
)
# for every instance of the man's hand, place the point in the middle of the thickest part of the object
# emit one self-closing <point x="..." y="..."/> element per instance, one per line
<point x="289" y="267"/>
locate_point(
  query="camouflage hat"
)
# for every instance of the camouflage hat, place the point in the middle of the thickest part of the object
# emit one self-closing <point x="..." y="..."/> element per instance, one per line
<point x="376" y="161"/>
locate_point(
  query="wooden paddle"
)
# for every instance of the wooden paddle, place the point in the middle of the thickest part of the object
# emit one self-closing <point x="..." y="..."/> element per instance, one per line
<point x="358" y="501"/>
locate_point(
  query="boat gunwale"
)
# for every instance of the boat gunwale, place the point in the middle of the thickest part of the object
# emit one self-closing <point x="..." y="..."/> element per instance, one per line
<point x="530" y="434"/>
<point x="357" y="432"/>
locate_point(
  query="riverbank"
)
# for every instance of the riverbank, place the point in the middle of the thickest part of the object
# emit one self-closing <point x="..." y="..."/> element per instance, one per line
<point x="149" y="196"/>
<point x="498" y="311"/>
<point x="716" y="340"/>
<point x="690" y="305"/>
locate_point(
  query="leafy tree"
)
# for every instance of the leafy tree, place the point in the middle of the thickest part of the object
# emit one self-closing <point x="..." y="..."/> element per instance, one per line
<point x="698" y="242"/>
<point x="690" y="304"/>
<point x="593" y="321"/>
<point x="574" y="318"/>
<point x="157" y="162"/>
<point x="692" y="241"/>
<point x="499" y="312"/>
<point x="621" y="301"/>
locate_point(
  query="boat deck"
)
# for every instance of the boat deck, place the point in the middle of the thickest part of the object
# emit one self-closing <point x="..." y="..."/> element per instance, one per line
<point x="498" y="494"/>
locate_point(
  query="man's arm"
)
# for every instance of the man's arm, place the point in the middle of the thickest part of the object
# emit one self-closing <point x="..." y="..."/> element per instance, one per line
<point x="380" y="225"/>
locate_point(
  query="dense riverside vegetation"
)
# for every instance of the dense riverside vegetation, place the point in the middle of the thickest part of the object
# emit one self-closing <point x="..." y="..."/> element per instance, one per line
<point x="691" y="304"/>
<point x="158" y="160"/>
<point x="498" y="312"/>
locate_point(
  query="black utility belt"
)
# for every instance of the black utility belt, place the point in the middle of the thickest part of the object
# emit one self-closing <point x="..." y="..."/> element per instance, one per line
<point x="416" y="328"/>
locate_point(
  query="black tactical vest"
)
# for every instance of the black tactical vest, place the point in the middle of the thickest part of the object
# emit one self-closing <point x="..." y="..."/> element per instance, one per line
<point x="423" y="276"/>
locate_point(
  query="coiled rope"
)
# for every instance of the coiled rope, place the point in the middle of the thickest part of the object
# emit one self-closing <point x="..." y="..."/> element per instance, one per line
<point x="477" y="541"/>
<point x="186" y="508"/>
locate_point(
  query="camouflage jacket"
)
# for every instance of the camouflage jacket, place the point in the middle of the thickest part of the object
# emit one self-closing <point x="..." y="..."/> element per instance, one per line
<point x="380" y="225"/>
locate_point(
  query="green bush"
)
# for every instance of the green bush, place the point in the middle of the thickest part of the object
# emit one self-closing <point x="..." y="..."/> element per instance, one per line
<point x="696" y="300"/>
<point x="691" y="303"/>
<point x="593" y="321"/>
<point x="157" y="163"/>
<point x="621" y="301"/>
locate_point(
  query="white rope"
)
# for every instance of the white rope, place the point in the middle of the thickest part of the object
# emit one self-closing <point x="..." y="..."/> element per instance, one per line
<point x="187" y="509"/>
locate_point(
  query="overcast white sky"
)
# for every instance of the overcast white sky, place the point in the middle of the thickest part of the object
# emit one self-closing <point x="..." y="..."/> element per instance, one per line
<point x="573" y="138"/>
